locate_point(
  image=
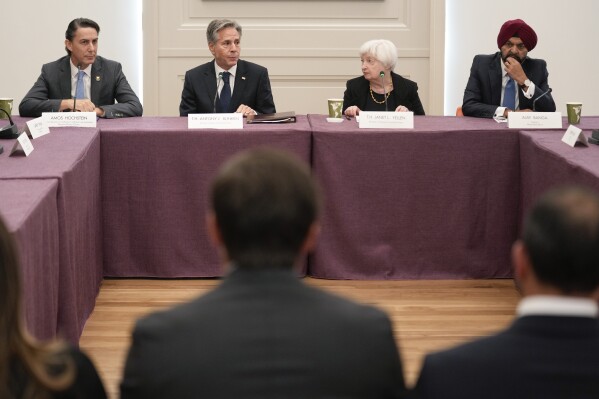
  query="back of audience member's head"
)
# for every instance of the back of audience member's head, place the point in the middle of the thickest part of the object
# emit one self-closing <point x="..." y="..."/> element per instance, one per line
<point x="561" y="236"/>
<point x="46" y="366"/>
<point x="264" y="202"/>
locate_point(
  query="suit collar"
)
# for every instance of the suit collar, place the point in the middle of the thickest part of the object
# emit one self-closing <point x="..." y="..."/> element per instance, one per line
<point x="240" y="83"/>
<point x="495" y="78"/>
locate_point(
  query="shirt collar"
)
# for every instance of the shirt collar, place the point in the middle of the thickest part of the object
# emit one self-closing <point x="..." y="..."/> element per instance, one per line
<point x="503" y="71"/>
<point x="546" y="305"/>
<point x="232" y="70"/>
<point x="74" y="70"/>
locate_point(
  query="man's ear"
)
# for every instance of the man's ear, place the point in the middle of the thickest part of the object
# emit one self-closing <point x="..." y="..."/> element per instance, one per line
<point x="68" y="44"/>
<point x="311" y="237"/>
<point x="521" y="262"/>
<point x="211" y="48"/>
<point x="213" y="230"/>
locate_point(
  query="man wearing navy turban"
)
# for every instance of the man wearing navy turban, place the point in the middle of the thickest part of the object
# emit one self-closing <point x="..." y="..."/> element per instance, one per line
<point x="508" y="80"/>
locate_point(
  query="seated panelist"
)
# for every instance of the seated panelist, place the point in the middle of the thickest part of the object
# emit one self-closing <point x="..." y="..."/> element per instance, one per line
<point x="379" y="88"/>
<point x="99" y="84"/>
<point x="227" y="83"/>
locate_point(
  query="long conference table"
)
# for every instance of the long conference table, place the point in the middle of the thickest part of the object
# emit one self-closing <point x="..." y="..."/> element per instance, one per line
<point x="128" y="199"/>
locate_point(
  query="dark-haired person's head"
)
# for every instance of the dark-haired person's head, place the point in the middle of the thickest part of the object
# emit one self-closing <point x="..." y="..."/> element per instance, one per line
<point x="81" y="41"/>
<point x="561" y="241"/>
<point x="264" y="209"/>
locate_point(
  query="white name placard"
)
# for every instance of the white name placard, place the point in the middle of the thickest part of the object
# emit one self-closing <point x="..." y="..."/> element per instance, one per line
<point x="215" y="121"/>
<point x="63" y="119"/>
<point x="22" y="144"/>
<point x="574" y="135"/>
<point x="37" y="128"/>
<point x="534" y="120"/>
<point x="386" y="120"/>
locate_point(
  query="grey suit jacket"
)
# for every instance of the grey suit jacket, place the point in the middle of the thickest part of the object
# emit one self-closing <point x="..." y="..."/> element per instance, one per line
<point x="108" y="83"/>
<point x="252" y="88"/>
<point x="483" y="90"/>
<point x="264" y="334"/>
<point x="544" y="357"/>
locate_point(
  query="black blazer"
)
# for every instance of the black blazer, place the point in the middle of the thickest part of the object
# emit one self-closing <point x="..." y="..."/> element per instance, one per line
<point x="252" y="88"/>
<point x="483" y="91"/>
<point x="405" y="93"/>
<point x="108" y="83"/>
<point x="264" y="334"/>
<point x="542" y="357"/>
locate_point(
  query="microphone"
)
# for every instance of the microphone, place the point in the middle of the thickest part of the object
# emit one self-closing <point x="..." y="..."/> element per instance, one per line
<point x="382" y="75"/>
<point x="218" y="80"/>
<point x="11" y="131"/>
<point x="534" y="102"/>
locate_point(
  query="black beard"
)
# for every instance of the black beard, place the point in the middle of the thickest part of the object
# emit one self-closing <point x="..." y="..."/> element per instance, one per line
<point x="514" y="56"/>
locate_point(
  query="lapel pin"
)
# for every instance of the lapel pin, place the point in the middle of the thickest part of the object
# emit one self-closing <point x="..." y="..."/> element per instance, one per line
<point x="98" y="78"/>
<point x="243" y="78"/>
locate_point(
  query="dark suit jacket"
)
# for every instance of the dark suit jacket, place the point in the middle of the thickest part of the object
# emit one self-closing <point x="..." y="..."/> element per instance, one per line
<point x="540" y="357"/>
<point x="252" y="88"/>
<point x="264" y="334"/>
<point x="483" y="91"/>
<point x="108" y="83"/>
<point x="405" y="92"/>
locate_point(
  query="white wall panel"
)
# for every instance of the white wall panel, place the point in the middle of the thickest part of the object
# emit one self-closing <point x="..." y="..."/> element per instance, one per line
<point x="309" y="47"/>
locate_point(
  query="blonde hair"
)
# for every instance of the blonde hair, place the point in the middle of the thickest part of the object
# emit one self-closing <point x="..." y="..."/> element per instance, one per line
<point x="48" y="365"/>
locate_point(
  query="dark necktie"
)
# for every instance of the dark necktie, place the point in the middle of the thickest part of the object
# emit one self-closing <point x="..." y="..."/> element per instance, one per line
<point x="509" y="96"/>
<point x="225" y="94"/>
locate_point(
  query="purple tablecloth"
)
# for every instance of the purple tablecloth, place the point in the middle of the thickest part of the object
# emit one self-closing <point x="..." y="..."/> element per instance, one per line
<point x="155" y="182"/>
<point x="72" y="156"/>
<point x="548" y="162"/>
<point x="438" y="201"/>
<point x="29" y="210"/>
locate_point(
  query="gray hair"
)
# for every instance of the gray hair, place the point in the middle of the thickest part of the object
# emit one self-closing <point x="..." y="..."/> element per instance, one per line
<point x="383" y="50"/>
<point x="219" y="24"/>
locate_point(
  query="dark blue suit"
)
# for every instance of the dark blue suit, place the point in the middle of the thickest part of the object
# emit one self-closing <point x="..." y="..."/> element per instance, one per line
<point x="108" y="83"/>
<point x="542" y="357"/>
<point x="483" y="91"/>
<point x="252" y="88"/>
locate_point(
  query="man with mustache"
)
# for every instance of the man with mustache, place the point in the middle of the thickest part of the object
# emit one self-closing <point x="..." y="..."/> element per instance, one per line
<point x="508" y="80"/>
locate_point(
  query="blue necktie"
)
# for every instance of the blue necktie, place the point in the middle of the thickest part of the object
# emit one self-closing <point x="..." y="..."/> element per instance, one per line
<point x="225" y="94"/>
<point x="80" y="88"/>
<point x="509" y="96"/>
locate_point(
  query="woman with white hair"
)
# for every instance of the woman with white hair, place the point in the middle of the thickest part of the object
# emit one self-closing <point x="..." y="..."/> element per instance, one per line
<point x="379" y="88"/>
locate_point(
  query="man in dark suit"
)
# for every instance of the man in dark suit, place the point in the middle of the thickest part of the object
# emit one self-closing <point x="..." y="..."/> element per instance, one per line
<point x="552" y="349"/>
<point x="226" y="84"/>
<point x="96" y="82"/>
<point x="508" y="80"/>
<point x="263" y="333"/>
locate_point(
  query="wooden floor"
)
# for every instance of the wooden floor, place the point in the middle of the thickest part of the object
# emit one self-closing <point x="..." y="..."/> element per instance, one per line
<point x="427" y="315"/>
